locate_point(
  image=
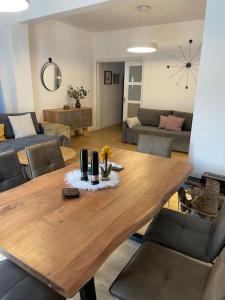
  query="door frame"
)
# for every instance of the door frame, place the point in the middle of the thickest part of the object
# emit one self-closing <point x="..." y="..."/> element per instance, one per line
<point x="97" y="102"/>
<point x="126" y="101"/>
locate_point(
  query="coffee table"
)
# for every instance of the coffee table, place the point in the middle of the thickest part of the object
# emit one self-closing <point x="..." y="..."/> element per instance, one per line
<point x="67" y="153"/>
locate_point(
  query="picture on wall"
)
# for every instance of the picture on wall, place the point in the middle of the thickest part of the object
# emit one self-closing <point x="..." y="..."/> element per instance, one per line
<point x="108" y="77"/>
<point x="116" y="78"/>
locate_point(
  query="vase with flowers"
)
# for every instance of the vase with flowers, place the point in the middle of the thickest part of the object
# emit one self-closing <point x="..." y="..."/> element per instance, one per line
<point x="106" y="168"/>
<point x="77" y="94"/>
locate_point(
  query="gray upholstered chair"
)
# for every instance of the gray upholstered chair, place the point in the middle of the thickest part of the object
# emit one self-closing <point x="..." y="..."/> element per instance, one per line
<point x="11" y="174"/>
<point x="190" y="235"/>
<point x="44" y="158"/>
<point x="156" y="272"/>
<point x="155" y="145"/>
<point x="16" y="284"/>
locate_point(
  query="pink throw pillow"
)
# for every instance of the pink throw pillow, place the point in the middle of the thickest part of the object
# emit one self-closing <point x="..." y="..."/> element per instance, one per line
<point x="174" y="123"/>
<point x="163" y="121"/>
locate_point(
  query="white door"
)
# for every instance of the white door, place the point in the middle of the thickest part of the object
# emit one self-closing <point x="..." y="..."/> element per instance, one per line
<point x="133" y="83"/>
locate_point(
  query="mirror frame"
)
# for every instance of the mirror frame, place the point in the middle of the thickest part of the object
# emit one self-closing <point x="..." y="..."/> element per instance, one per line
<point x="50" y="62"/>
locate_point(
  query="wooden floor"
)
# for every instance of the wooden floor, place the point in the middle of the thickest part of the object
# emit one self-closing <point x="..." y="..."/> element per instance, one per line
<point x="115" y="263"/>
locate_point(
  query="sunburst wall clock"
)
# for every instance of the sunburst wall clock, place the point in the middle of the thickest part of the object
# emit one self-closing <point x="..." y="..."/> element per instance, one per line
<point x="187" y="64"/>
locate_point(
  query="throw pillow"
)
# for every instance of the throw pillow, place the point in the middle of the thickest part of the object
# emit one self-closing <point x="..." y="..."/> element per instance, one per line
<point x="2" y="136"/>
<point x="22" y="125"/>
<point x="163" y="121"/>
<point x="132" y="122"/>
<point x="174" y="123"/>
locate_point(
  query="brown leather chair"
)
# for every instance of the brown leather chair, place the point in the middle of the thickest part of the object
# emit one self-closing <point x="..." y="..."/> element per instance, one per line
<point x="44" y="158"/>
<point x="155" y="145"/>
<point x="11" y="174"/>
<point x="156" y="272"/>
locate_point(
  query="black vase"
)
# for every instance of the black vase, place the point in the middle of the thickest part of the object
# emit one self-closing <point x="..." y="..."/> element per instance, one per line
<point x="77" y="104"/>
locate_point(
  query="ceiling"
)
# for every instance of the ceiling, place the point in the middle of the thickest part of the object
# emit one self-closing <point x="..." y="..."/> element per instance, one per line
<point x="121" y="14"/>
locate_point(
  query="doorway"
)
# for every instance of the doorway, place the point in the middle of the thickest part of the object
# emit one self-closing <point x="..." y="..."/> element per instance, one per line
<point x="110" y="84"/>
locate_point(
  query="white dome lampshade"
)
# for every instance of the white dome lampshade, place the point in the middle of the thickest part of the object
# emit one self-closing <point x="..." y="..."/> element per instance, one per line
<point x="13" y="5"/>
<point x="142" y="47"/>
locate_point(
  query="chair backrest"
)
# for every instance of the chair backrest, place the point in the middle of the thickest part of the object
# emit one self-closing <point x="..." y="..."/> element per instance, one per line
<point x="217" y="235"/>
<point x="215" y="288"/>
<point x="44" y="158"/>
<point x="156" y="145"/>
<point x="11" y="174"/>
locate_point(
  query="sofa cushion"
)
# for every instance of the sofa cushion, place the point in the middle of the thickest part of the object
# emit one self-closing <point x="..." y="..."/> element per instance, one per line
<point x="22" y="126"/>
<point x="163" y="121"/>
<point x="188" y="119"/>
<point x="8" y="128"/>
<point x="174" y="123"/>
<point x="132" y="122"/>
<point x="181" y="140"/>
<point x="151" y="117"/>
<point x="20" y="144"/>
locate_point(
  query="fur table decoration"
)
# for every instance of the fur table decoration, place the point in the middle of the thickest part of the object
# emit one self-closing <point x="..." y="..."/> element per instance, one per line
<point x="73" y="179"/>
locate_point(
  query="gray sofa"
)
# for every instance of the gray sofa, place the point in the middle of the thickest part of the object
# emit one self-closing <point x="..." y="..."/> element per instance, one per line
<point x="150" y="119"/>
<point x="19" y="144"/>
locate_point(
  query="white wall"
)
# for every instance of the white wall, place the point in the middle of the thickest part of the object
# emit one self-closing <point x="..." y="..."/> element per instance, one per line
<point x="22" y="68"/>
<point x="7" y="77"/>
<point x="159" y="91"/>
<point x="111" y="96"/>
<point x="15" y="70"/>
<point x="207" y="151"/>
<point x="71" y="49"/>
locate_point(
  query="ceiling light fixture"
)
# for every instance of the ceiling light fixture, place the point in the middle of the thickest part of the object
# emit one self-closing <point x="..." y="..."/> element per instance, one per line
<point x="143" y="7"/>
<point x="140" y="46"/>
<point x="13" y="5"/>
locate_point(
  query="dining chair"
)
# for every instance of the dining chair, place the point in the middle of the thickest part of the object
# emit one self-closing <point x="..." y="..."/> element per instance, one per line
<point x="155" y="145"/>
<point x="11" y="174"/>
<point x="156" y="272"/>
<point x="16" y="284"/>
<point x="187" y="234"/>
<point x="44" y="158"/>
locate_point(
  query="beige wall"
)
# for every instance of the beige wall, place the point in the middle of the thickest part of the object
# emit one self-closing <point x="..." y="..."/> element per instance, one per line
<point x="71" y="49"/>
<point x="207" y="148"/>
<point x="159" y="91"/>
<point x="111" y="96"/>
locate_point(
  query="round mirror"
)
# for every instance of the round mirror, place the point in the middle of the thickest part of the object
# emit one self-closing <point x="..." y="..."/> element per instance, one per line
<point x="51" y="76"/>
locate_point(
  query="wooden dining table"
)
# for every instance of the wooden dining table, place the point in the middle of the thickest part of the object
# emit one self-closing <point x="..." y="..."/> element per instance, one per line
<point x="63" y="243"/>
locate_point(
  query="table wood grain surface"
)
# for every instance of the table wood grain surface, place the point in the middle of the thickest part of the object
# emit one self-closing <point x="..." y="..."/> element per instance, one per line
<point x="63" y="243"/>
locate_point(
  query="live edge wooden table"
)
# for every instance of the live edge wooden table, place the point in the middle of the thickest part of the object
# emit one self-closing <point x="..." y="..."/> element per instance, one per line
<point x="63" y="243"/>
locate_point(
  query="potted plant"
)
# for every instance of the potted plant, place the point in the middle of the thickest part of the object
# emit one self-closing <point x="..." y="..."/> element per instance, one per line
<point x="77" y="94"/>
<point x="105" y="168"/>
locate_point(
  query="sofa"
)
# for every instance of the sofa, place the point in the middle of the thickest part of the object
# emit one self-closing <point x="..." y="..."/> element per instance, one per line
<point x="150" y="119"/>
<point x="20" y="143"/>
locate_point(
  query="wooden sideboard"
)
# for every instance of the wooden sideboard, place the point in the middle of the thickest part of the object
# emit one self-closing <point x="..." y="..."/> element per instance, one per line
<point x="75" y="118"/>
